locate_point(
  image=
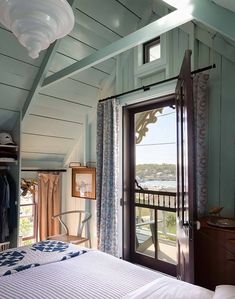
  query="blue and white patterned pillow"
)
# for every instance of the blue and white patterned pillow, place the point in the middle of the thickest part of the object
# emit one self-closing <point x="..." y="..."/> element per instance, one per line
<point x="50" y="246"/>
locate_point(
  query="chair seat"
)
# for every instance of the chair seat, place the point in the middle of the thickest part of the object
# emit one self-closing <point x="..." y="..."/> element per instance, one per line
<point x="69" y="238"/>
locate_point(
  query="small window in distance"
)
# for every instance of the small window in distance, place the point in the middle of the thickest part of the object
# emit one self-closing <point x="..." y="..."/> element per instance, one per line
<point x="152" y="50"/>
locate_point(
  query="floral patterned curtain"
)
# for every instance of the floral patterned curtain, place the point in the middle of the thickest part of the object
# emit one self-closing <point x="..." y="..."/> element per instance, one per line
<point x="201" y="99"/>
<point x="107" y="176"/>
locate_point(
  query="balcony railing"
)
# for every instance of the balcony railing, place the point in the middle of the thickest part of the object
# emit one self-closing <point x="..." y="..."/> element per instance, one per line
<point x="155" y="233"/>
<point x="160" y="200"/>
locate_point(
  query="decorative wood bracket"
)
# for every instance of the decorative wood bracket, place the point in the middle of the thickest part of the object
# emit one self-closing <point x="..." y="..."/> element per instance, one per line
<point x="142" y="122"/>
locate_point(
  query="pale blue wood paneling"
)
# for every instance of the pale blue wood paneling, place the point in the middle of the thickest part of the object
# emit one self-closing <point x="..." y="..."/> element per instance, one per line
<point x="16" y="73"/>
<point x="60" y="61"/>
<point x="227" y="138"/>
<point x="174" y="51"/>
<point x="183" y="45"/>
<point x="204" y="54"/>
<point x="179" y="42"/>
<point x="221" y="149"/>
<point x="57" y="109"/>
<point x="12" y="98"/>
<point x="92" y="25"/>
<point x="32" y="143"/>
<point x="214" y="140"/>
<point x="74" y="48"/>
<point x="51" y="103"/>
<point x="91" y="76"/>
<point x="90" y="37"/>
<point x="111" y="14"/>
<point x="9" y="46"/>
<point x="138" y="6"/>
<point x="51" y="127"/>
<point x="155" y="78"/>
<point x="8" y="120"/>
<point x="73" y="90"/>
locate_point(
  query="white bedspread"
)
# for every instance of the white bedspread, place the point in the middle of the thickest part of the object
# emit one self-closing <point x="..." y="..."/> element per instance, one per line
<point x="93" y="275"/>
<point x="168" y="288"/>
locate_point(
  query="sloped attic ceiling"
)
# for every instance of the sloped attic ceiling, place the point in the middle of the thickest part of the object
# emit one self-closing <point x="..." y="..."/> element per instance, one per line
<point x="55" y="118"/>
<point x="229" y="4"/>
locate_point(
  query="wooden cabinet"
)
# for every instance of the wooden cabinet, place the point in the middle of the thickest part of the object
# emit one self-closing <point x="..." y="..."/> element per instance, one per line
<point x="214" y="256"/>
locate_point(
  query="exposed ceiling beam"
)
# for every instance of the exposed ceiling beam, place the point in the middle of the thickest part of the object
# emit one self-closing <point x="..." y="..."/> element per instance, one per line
<point x="210" y="14"/>
<point x="37" y="84"/>
<point x="39" y="78"/>
<point x="136" y="38"/>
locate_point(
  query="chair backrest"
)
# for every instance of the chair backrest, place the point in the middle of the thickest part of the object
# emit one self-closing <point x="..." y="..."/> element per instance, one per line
<point x="83" y="218"/>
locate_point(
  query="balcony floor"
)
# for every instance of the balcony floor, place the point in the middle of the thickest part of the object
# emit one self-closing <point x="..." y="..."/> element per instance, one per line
<point x="167" y="251"/>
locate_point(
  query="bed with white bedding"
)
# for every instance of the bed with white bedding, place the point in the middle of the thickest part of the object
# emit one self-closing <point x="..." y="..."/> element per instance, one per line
<point x="45" y="252"/>
<point x="93" y="274"/>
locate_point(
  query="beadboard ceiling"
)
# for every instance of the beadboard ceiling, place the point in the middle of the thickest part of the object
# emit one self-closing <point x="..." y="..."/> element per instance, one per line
<point x="55" y="119"/>
<point x="228" y="4"/>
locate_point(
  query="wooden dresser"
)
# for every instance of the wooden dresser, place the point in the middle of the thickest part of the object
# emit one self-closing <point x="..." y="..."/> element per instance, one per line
<point x="214" y="256"/>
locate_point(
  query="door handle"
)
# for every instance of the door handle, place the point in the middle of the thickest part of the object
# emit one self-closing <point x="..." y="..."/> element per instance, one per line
<point x="186" y="224"/>
<point x="192" y="224"/>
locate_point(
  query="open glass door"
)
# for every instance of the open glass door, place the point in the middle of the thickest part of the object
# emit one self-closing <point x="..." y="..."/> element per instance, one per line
<point x="185" y="172"/>
<point x="149" y="212"/>
<point x="152" y="183"/>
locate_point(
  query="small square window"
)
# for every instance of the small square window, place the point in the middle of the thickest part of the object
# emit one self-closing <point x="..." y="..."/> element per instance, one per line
<point x="152" y="50"/>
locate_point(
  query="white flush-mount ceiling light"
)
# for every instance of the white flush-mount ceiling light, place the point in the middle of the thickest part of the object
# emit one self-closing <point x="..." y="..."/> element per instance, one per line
<point x="37" y="23"/>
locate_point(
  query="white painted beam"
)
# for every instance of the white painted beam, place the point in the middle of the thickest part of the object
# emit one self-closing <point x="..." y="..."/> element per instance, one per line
<point x="136" y="38"/>
<point x="216" y="17"/>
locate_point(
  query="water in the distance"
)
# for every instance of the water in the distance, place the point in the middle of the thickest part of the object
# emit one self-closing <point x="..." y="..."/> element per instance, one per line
<point x="159" y="185"/>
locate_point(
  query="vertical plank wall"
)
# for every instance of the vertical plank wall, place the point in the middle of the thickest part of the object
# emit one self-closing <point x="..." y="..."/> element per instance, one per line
<point x="221" y="125"/>
<point x="221" y="139"/>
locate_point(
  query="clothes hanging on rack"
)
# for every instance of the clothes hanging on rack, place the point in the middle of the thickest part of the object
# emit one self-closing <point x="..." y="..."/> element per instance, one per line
<point x="4" y="206"/>
<point x="7" y="206"/>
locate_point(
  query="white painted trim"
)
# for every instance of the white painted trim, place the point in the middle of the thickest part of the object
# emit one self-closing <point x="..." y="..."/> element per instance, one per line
<point x="153" y="67"/>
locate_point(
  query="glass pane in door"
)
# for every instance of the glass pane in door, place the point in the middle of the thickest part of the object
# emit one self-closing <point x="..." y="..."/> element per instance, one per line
<point x="166" y="236"/>
<point x="145" y="231"/>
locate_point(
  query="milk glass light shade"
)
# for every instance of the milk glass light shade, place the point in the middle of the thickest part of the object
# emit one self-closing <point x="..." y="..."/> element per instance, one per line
<point x="37" y="23"/>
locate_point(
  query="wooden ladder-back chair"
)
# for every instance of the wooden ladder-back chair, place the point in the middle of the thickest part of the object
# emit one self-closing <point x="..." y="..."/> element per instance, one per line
<point x="83" y="218"/>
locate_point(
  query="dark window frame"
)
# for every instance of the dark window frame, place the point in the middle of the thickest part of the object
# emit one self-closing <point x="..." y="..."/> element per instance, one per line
<point x="147" y="46"/>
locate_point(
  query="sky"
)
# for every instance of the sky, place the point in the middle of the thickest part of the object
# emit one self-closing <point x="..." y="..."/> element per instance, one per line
<point x="163" y="131"/>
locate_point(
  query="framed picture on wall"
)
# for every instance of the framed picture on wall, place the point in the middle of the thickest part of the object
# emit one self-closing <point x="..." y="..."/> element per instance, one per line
<point x="84" y="182"/>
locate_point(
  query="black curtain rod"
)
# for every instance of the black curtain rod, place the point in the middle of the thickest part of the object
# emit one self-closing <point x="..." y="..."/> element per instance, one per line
<point x="46" y="170"/>
<point x="147" y="87"/>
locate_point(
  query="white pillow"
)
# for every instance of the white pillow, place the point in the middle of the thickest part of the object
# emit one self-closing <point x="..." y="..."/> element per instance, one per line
<point x="224" y="292"/>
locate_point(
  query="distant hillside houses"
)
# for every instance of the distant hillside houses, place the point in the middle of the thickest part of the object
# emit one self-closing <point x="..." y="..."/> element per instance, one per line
<point x="161" y="172"/>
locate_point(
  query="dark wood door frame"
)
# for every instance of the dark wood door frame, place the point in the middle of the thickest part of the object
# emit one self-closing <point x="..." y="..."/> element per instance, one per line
<point x="129" y="252"/>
